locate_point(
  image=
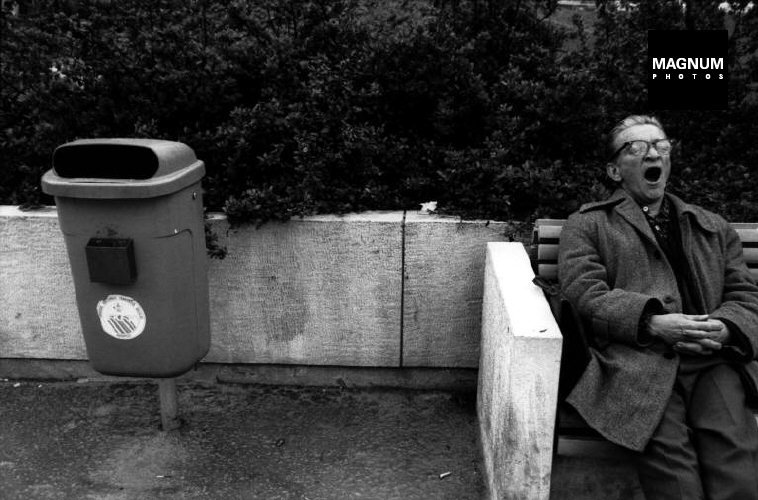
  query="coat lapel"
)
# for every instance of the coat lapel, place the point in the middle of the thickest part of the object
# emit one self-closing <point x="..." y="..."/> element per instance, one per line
<point x="699" y="216"/>
<point x="632" y="213"/>
<point x="689" y="215"/>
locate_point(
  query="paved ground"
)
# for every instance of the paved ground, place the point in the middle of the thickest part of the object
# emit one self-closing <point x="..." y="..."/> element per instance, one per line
<point x="95" y="440"/>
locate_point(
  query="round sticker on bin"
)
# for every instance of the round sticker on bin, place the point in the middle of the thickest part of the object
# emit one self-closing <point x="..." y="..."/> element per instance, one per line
<point x="121" y="317"/>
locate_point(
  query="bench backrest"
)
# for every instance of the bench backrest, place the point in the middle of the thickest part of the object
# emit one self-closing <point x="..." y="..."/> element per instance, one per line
<point x="547" y="233"/>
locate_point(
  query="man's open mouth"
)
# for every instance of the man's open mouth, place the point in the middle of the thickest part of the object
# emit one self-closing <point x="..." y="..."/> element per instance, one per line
<point x="653" y="174"/>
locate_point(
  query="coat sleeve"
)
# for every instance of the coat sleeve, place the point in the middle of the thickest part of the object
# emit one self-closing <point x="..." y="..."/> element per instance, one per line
<point x="614" y="314"/>
<point x="739" y="306"/>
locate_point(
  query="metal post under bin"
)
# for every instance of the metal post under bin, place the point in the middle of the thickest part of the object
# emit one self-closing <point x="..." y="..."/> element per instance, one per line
<point x="132" y="218"/>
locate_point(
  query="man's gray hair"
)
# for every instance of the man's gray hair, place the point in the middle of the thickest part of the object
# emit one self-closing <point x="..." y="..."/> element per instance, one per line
<point x="627" y="122"/>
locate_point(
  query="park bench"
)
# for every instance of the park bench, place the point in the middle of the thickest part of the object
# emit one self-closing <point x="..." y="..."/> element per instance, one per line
<point x="574" y="355"/>
<point x="528" y="362"/>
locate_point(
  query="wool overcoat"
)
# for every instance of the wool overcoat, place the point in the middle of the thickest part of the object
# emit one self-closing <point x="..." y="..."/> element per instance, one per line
<point x="612" y="270"/>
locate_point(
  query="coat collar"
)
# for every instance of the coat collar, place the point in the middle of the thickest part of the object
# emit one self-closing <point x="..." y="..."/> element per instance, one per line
<point x="705" y="219"/>
<point x="630" y="210"/>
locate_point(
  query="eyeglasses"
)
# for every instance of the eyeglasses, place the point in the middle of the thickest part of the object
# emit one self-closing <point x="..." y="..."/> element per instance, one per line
<point x="640" y="147"/>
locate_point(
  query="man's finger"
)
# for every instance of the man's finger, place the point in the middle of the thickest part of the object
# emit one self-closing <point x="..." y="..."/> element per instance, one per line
<point x="711" y="344"/>
<point x="698" y="335"/>
<point x="691" y="348"/>
<point x="696" y="317"/>
<point x="704" y="326"/>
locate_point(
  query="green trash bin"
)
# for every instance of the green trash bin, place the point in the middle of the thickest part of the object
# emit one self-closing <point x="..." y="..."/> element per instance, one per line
<point x="131" y="213"/>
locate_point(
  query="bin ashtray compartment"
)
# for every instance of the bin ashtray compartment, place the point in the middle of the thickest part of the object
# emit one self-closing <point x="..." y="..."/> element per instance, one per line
<point x="111" y="260"/>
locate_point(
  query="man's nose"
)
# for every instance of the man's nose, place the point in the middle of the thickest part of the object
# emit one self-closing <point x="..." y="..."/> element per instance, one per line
<point x="652" y="152"/>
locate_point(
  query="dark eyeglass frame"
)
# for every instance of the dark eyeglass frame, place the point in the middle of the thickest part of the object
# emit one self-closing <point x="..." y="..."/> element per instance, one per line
<point x="648" y="143"/>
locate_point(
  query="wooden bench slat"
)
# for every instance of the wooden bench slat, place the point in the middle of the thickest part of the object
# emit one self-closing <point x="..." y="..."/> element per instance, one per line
<point x="549" y="232"/>
<point x="748" y="236"/>
<point x="548" y="271"/>
<point x="547" y="237"/>
<point x="748" y="233"/>
<point x="547" y="253"/>
<point x="738" y="226"/>
<point x="751" y="255"/>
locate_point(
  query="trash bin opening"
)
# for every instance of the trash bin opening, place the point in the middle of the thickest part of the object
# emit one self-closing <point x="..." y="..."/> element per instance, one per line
<point x="105" y="161"/>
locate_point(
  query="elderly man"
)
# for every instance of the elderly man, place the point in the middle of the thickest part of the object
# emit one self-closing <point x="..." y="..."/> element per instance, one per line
<point x="673" y="312"/>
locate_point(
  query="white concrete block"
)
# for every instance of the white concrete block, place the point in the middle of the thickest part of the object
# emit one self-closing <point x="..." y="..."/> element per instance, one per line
<point x="518" y="377"/>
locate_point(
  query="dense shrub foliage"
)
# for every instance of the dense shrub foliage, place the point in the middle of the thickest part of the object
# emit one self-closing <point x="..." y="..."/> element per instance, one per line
<point x="490" y="107"/>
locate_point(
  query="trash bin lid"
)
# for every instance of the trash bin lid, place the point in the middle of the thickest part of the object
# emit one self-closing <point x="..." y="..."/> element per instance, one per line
<point x="121" y="168"/>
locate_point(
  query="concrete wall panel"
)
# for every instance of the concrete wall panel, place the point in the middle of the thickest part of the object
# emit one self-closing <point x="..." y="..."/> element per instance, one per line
<point x="38" y="314"/>
<point x="444" y="275"/>
<point x="320" y="290"/>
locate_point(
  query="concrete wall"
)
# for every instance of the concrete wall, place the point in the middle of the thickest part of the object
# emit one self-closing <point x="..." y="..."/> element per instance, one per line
<point x="38" y="315"/>
<point x="444" y="274"/>
<point x="518" y="378"/>
<point x="323" y="290"/>
<point x="375" y="289"/>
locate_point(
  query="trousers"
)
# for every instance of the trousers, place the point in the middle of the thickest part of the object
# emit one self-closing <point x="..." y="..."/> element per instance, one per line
<point x="706" y="445"/>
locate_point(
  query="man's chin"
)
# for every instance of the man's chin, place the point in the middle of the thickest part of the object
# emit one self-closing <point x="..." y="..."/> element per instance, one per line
<point x="650" y="195"/>
<point x="655" y="189"/>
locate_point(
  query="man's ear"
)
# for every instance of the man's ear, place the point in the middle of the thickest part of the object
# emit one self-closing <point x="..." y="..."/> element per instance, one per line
<point x="613" y="172"/>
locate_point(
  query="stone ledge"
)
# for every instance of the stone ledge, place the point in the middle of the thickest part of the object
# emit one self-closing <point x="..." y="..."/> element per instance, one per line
<point x="462" y="380"/>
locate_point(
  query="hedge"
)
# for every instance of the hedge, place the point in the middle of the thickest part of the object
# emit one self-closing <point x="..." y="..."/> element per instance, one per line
<point x="492" y="108"/>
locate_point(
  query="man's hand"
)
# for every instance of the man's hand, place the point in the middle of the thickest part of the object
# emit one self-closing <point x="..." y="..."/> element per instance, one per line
<point x="689" y="333"/>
